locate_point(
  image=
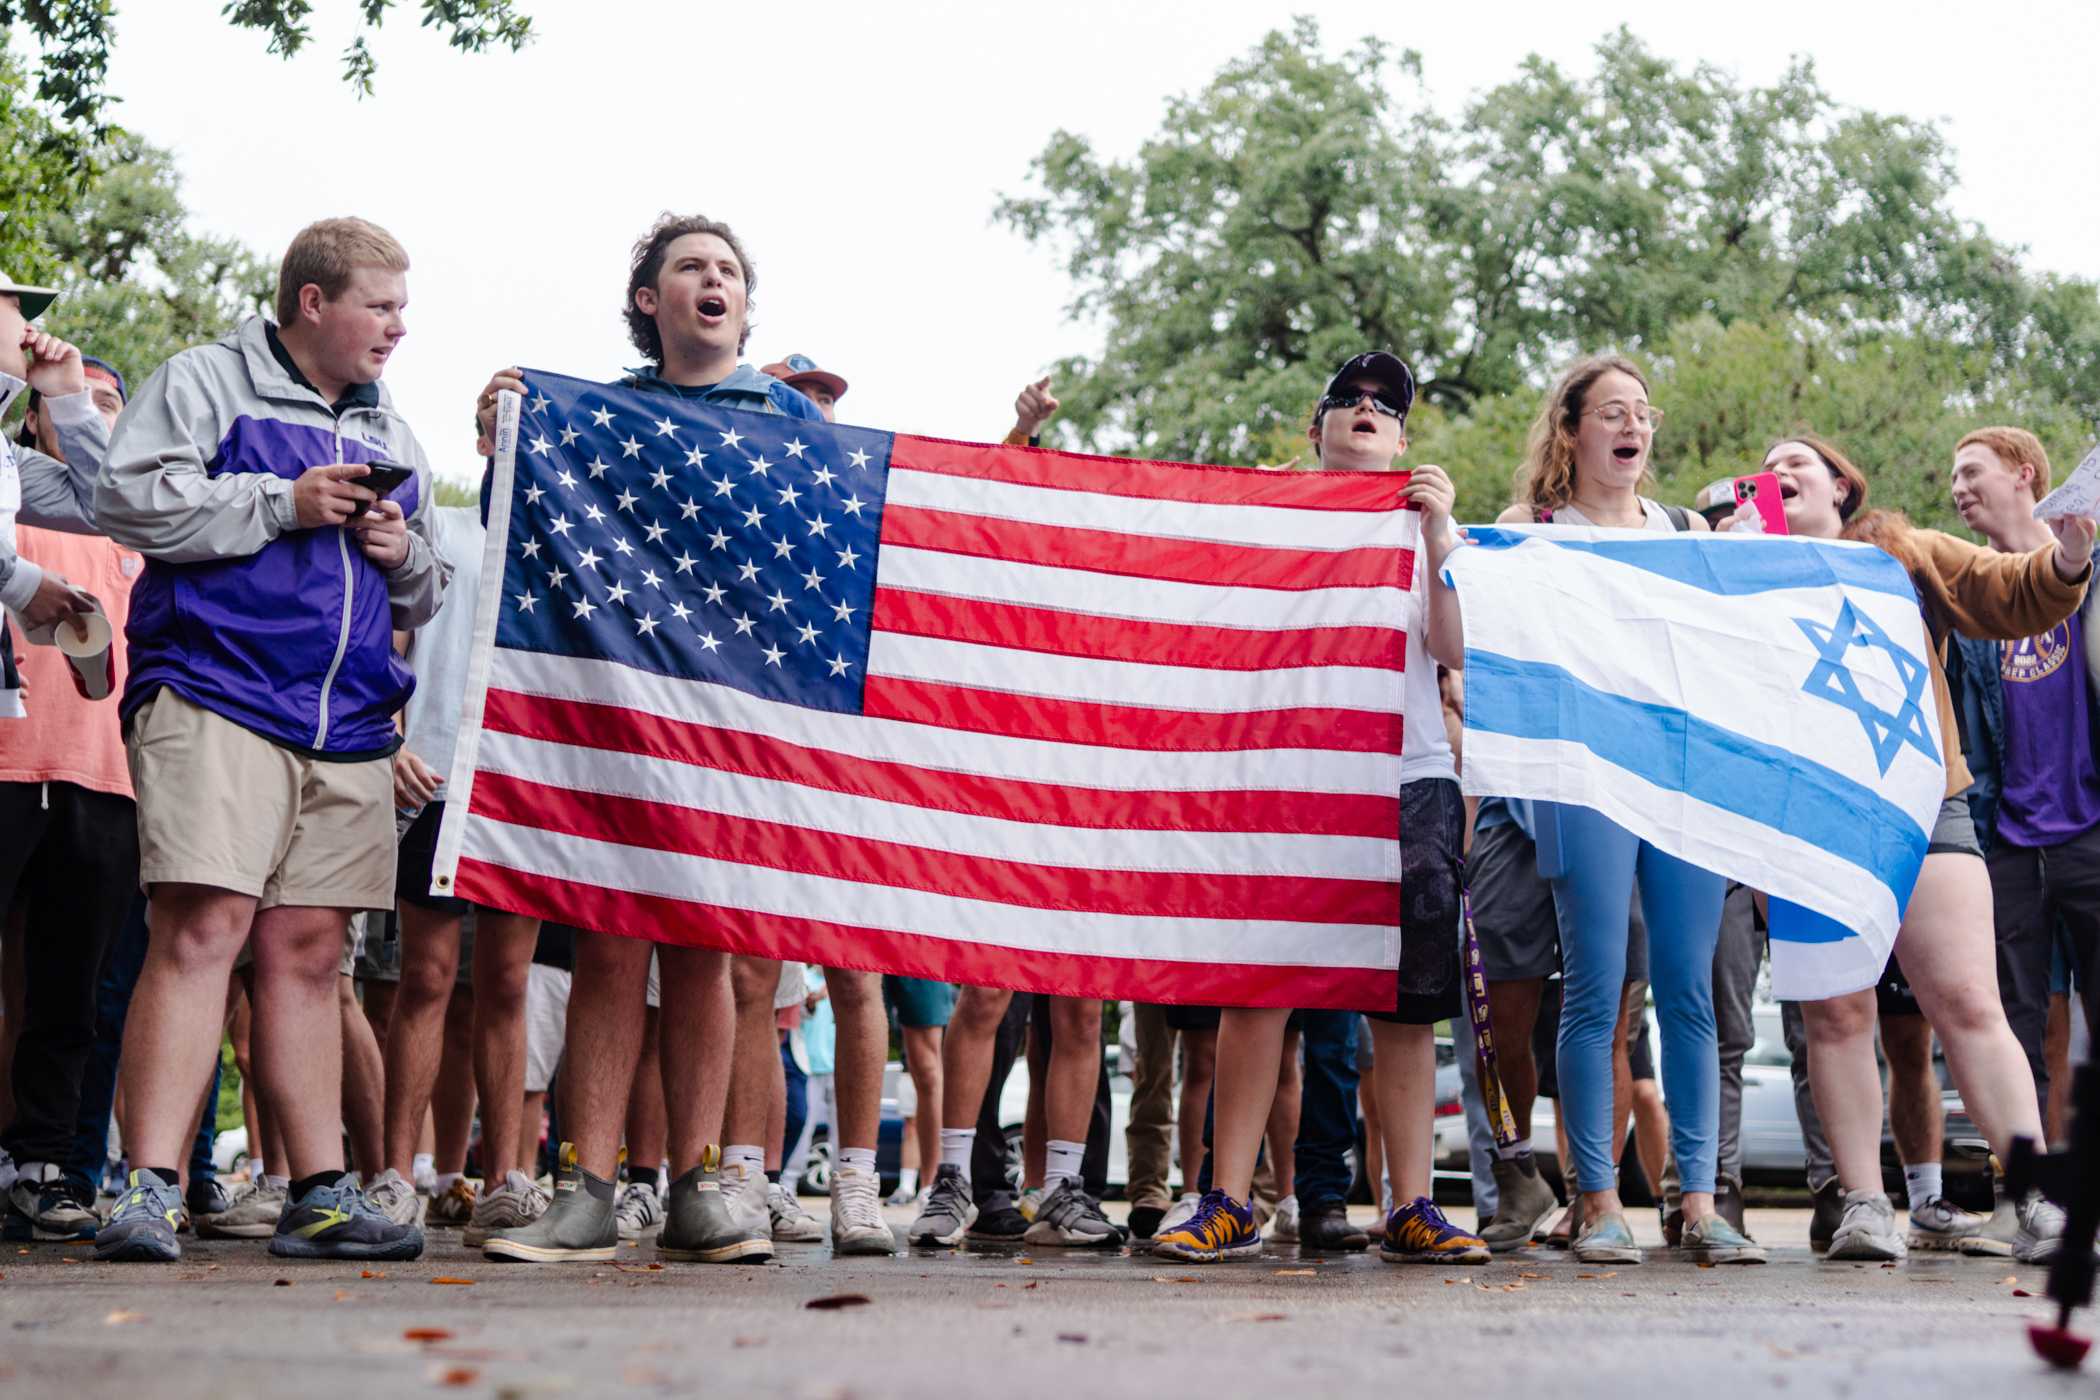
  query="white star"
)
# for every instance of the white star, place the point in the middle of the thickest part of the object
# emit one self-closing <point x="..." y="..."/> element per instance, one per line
<point x="779" y="601"/>
<point x="754" y="517"/>
<point x="718" y="540"/>
<point x="540" y="403"/>
<point x="689" y="510"/>
<point x="617" y="593"/>
<point x="838" y="665"/>
<point x="680" y="610"/>
<point x="685" y="562"/>
<point x="568" y="482"/>
<point x="630" y="447"/>
<point x="860" y="458"/>
<point x="660" y="479"/>
<point x="759" y="466"/>
<point x="773" y="655"/>
<point x="595" y="512"/>
<point x="781" y="548"/>
<point x="533" y="494"/>
<point x="851" y="506"/>
<point x="805" y="634"/>
<point x="625" y="500"/>
<point x="530" y="549"/>
<point x="731" y="438"/>
<point x="561" y="525"/>
<point x="843" y="611"/>
<point x="796" y="447"/>
<point x="588" y="559"/>
<point x="585" y="607"/>
<point x="621" y="547"/>
<point x="749" y="570"/>
<point x="654" y="531"/>
<point x="811" y="580"/>
<point x="602" y="417"/>
<point x="724" y="486"/>
<point x="540" y="446"/>
<point x="694" y="457"/>
<point x="789" y="495"/>
<point x="645" y="624"/>
<point x="824" y="476"/>
<point x="556" y="578"/>
<point x="651" y="577"/>
<point x="665" y="427"/>
<point x="744" y="625"/>
<point x="569" y="435"/>
<point x="714" y="592"/>
<point x="707" y="639"/>
<point x="599" y="467"/>
<point x="846" y="557"/>
<point x="818" y="525"/>
<point x="527" y="601"/>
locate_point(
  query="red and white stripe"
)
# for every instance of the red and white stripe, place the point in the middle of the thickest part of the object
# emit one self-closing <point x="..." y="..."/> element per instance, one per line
<point x="1132" y="730"/>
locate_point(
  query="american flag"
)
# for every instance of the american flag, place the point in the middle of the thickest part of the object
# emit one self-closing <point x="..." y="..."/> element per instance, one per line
<point x="988" y="715"/>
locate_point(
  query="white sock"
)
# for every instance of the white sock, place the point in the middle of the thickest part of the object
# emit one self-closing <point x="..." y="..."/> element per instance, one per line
<point x="1923" y="1184"/>
<point x="957" y="1145"/>
<point x="1061" y="1163"/>
<point x="424" y="1162"/>
<point x="752" y="1159"/>
<point x="281" y="1183"/>
<point x="663" y="1179"/>
<point x="908" y="1180"/>
<point x="1520" y="1148"/>
<point x="860" y="1159"/>
<point x="256" y="1170"/>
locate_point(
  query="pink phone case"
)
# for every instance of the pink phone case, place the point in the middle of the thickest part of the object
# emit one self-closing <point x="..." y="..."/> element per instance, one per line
<point x="1762" y="490"/>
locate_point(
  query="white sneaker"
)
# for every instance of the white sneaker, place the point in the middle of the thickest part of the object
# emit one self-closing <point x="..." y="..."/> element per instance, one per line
<point x="394" y="1196"/>
<point x="791" y="1223"/>
<point x="1283" y="1226"/>
<point x="423" y="1171"/>
<point x="1995" y="1240"/>
<point x="1179" y="1214"/>
<point x="1940" y="1224"/>
<point x="857" y="1226"/>
<point x="2041" y="1229"/>
<point x="514" y="1204"/>
<point x="639" y="1211"/>
<point x="745" y="1192"/>
<point x="1867" y="1231"/>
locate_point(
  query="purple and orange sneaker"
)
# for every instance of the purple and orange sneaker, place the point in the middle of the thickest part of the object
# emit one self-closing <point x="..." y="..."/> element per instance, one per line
<point x="1418" y="1233"/>
<point x="1221" y="1228"/>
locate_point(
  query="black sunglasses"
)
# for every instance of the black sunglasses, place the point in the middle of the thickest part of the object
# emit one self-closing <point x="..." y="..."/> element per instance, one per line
<point x="1381" y="402"/>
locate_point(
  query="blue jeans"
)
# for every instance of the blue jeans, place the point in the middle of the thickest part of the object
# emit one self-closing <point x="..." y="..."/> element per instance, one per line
<point x="797" y="1099"/>
<point x="1327" y="1108"/>
<point x="1593" y="898"/>
<point x="98" y="1080"/>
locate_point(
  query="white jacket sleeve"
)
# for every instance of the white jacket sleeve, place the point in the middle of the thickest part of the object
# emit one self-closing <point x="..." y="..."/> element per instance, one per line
<point x="57" y="494"/>
<point x="417" y="587"/>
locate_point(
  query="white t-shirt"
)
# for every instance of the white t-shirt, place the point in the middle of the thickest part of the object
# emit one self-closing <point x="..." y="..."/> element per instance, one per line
<point x="439" y="649"/>
<point x="1425" y="748"/>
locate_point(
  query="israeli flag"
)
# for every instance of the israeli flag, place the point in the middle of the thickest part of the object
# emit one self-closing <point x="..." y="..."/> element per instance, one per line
<point x="1760" y="706"/>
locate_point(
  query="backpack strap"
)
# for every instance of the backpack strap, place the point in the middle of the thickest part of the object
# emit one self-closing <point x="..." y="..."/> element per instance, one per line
<point x="1680" y="518"/>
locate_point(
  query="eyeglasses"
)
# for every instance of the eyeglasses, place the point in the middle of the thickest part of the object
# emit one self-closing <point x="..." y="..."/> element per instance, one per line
<point x="1615" y="414"/>
<point x="1381" y="402"/>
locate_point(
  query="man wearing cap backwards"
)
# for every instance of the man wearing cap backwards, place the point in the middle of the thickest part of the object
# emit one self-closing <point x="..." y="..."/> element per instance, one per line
<point x="820" y="386"/>
<point x="1360" y="424"/>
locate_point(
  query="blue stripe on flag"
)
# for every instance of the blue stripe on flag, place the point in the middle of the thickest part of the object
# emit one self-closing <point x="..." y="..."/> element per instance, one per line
<point x="1797" y="923"/>
<point x="1680" y="752"/>
<point x="1734" y="567"/>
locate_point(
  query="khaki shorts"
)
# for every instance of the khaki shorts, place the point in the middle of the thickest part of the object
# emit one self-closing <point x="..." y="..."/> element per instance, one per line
<point x="224" y="807"/>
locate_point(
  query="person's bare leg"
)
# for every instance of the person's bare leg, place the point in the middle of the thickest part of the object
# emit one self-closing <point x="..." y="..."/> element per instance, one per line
<point x="966" y="1051"/>
<point x="648" y="1129"/>
<point x="1374" y="1126"/>
<point x="1846" y="1084"/>
<point x="1250" y="1050"/>
<point x="452" y="1095"/>
<point x="532" y="1117"/>
<point x="364" y="1083"/>
<point x="1916" y="1119"/>
<point x="602" y="1041"/>
<point x="415" y="1036"/>
<point x="1406" y="1086"/>
<point x="1284" y="1111"/>
<point x="1075" y="1067"/>
<point x="693" y="1036"/>
<point x="299" y="1031"/>
<point x="777" y="1108"/>
<point x="1651" y="1130"/>
<point x="1513" y="1012"/>
<point x="922" y="1058"/>
<point x="862" y="1053"/>
<point x="172" y="1030"/>
<point x="756" y="1053"/>
<point x="1199" y="1068"/>
<point x="1035" y="1118"/>
<point x="503" y="946"/>
<point x="379" y="1008"/>
<point x="238" y="1024"/>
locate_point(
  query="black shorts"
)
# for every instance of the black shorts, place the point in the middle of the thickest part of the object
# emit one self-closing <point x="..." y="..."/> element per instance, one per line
<point x="1192" y="1018"/>
<point x="1512" y="906"/>
<point x="412" y="868"/>
<point x="1892" y="994"/>
<point x="1432" y="835"/>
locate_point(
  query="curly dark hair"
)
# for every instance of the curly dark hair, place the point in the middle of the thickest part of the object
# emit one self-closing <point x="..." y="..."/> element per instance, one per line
<point x="648" y="264"/>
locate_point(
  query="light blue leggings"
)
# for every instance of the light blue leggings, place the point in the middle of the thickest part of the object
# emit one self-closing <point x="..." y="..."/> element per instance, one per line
<point x="1593" y="897"/>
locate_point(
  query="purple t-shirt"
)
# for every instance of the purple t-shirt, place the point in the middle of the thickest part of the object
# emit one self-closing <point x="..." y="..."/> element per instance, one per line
<point x="2052" y="787"/>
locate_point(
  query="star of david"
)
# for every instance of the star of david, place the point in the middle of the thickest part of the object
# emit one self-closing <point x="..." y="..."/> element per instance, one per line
<point x="1832" y="680"/>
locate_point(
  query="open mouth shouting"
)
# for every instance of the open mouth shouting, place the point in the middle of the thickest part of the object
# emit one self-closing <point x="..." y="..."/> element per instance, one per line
<point x="1629" y="453"/>
<point x="713" y="310"/>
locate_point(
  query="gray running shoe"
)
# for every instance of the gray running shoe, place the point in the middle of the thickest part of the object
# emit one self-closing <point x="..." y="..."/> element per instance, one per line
<point x="1940" y="1224"/>
<point x="43" y="1206"/>
<point x="1712" y="1240"/>
<point x="579" y="1224"/>
<point x="252" y="1215"/>
<point x="640" y="1210"/>
<point x="516" y="1202"/>
<point x="142" y="1226"/>
<point x="2041" y="1229"/>
<point x="791" y="1223"/>
<point x="334" y="1221"/>
<point x="1999" y="1233"/>
<point x="1522" y="1201"/>
<point x="857" y="1226"/>
<point x="948" y="1213"/>
<point x="700" y="1227"/>
<point x="394" y="1196"/>
<point x="1867" y="1231"/>
<point x="1070" y="1217"/>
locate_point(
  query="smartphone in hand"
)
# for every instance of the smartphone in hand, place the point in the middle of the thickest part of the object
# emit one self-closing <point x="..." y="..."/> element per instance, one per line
<point x="1761" y="489"/>
<point x="385" y="478"/>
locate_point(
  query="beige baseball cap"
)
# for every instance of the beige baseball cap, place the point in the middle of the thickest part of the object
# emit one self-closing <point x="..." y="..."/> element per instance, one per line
<point x="33" y="299"/>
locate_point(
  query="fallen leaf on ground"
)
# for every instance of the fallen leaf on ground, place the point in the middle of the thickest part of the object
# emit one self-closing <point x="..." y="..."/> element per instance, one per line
<point x="748" y="1342"/>
<point x="362" y="1273"/>
<point x="1034" y="1283"/>
<point x="1708" y="1264"/>
<point x="2021" y="1293"/>
<point x="1071" y="1337"/>
<point x="1534" y="1275"/>
<point x="1297" y="1273"/>
<point x="280" y="1283"/>
<point x="839" y="1300"/>
<point x="2010" y="1279"/>
<point x="1511" y="1287"/>
<point x="639" y="1268"/>
<point x="1257" y="1317"/>
<point x="122" y="1316"/>
<point x="463" y="1282"/>
<point x="342" y="1295"/>
<point x="427" y="1334"/>
<point x="458" y="1376"/>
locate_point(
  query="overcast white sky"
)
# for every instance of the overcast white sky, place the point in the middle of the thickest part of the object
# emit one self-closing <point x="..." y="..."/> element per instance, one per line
<point x="859" y="148"/>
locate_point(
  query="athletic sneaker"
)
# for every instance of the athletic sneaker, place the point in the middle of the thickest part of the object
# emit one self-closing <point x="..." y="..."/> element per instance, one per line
<point x="141" y="1226"/>
<point x="1418" y="1233"/>
<point x="1606" y="1240"/>
<point x="999" y="1219"/>
<point x="1712" y="1240"/>
<point x="394" y="1196"/>
<point x="639" y="1210"/>
<point x="857" y="1226"/>
<point x="1283" y="1225"/>
<point x="7" y="1171"/>
<point x="516" y="1202"/>
<point x="578" y="1223"/>
<point x="2000" y="1230"/>
<point x="452" y="1207"/>
<point x="335" y="1220"/>
<point x="1219" y="1229"/>
<point x="791" y="1224"/>
<point x="251" y="1214"/>
<point x="2041" y="1229"/>
<point x="1178" y="1214"/>
<point x="1522" y="1200"/>
<point x="700" y="1227"/>
<point x="1868" y="1230"/>
<point x="43" y="1206"/>
<point x="206" y="1196"/>
<point x="745" y="1191"/>
<point x="1144" y="1221"/>
<point x="1071" y="1218"/>
<point x="1940" y="1224"/>
<point x="908" y="1193"/>
<point x="947" y="1215"/>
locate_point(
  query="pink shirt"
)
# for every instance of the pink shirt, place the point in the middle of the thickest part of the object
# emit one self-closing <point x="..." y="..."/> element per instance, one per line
<point x="66" y="739"/>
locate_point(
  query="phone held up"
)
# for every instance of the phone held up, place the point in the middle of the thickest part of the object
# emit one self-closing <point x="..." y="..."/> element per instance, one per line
<point x="1761" y="490"/>
<point x="384" y="479"/>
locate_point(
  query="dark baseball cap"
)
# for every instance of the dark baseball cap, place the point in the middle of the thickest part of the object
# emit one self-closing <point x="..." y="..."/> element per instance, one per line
<point x="1381" y="367"/>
